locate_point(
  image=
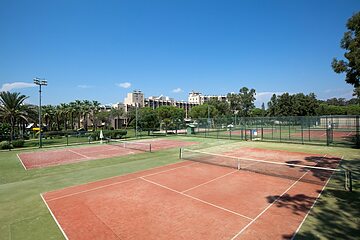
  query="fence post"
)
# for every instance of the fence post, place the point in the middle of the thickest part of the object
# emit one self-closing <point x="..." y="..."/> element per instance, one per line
<point x="302" y="131"/>
<point x="357" y="132"/>
<point x="289" y="126"/>
<point x="280" y="129"/>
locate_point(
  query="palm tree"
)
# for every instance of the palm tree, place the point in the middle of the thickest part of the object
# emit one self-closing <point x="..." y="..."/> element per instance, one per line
<point x="86" y="110"/>
<point x="48" y="113"/>
<point x="64" y="113"/>
<point x="95" y="108"/>
<point x="12" y="109"/>
<point x="78" y="111"/>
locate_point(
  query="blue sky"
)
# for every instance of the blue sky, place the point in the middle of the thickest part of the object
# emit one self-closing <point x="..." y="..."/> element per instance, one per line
<point x="95" y="49"/>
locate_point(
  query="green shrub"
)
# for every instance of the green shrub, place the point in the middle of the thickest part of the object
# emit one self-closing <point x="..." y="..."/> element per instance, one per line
<point x="118" y="134"/>
<point x="115" y="134"/>
<point x="18" y="143"/>
<point x="6" y="145"/>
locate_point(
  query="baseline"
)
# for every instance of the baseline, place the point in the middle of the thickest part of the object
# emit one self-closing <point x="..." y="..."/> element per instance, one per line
<point x="53" y="216"/>
<point x="115" y="183"/>
<point x="21" y="161"/>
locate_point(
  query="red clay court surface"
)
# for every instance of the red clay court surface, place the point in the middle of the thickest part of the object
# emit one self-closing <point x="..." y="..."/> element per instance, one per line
<point x="49" y="158"/>
<point x="322" y="134"/>
<point x="186" y="200"/>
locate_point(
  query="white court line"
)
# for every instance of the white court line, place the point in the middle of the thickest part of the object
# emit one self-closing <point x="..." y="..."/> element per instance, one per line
<point x="112" y="184"/>
<point x="189" y="196"/>
<point x="202" y="184"/>
<point x="263" y="161"/>
<point x="53" y="216"/>
<point x="237" y="170"/>
<point x="121" y="175"/>
<point x="259" y="215"/>
<point x="21" y="161"/>
<point x="78" y="154"/>
<point x="307" y="214"/>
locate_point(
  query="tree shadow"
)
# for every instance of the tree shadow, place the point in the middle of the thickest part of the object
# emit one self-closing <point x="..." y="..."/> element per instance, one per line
<point x="299" y="203"/>
<point x="335" y="216"/>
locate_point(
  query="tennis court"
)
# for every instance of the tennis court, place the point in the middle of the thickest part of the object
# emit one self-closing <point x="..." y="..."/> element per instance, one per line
<point x="206" y="196"/>
<point x="114" y="148"/>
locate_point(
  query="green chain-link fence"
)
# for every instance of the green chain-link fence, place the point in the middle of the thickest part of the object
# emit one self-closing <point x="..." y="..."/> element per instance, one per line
<point x="324" y="130"/>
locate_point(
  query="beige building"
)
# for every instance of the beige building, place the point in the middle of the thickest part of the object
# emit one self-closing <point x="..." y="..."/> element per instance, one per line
<point x="199" y="99"/>
<point x="135" y="98"/>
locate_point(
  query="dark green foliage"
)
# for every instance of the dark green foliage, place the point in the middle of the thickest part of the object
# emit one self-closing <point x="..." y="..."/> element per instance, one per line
<point x="203" y="111"/>
<point x="293" y="105"/>
<point x="243" y="102"/>
<point x="13" y="110"/>
<point x="148" y="119"/>
<point x="326" y="109"/>
<point x="340" y="101"/>
<point x="6" y="145"/>
<point x="351" y="44"/>
<point x="18" y="143"/>
<point x="4" y="131"/>
<point x="222" y="108"/>
<point x="257" y="112"/>
<point x="170" y="116"/>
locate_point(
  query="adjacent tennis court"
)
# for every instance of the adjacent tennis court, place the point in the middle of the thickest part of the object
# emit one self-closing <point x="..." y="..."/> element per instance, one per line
<point x="113" y="148"/>
<point x="206" y="196"/>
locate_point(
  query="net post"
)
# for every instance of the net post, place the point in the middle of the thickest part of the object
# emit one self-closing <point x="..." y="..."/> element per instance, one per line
<point x="150" y="148"/>
<point x="181" y="153"/>
<point x="238" y="164"/>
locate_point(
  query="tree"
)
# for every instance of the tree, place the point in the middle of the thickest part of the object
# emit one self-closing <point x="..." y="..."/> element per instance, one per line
<point x="170" y="116"/>
<point x="104" y="118"/>
<point x="203" y="111"/>
<point x="13" y="109"/>
<point x="222" y="108"/>
<point x="257" y="112"/>
<point x="95" y="108"/>
<point x="273" y="106"/>
<point x="293" y="105"/>
<point x="86" y="110"/>
<point x="351" y="43"/>
<point x="148" y="119"/>
<point x="116" y="113"/>
<point x="48" y="114"/>
<point x="243" y="102"/>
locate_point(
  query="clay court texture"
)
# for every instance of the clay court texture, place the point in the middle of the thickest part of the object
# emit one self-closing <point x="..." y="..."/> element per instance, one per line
<point x="47" y="158"/>
<point x="193" y="200"/>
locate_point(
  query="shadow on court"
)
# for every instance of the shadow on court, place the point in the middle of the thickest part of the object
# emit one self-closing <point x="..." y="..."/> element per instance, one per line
<point x="336" y="214"/>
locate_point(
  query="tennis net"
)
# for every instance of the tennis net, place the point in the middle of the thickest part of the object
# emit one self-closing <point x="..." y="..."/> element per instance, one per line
<point x="141" y="146"/>
<point x="304" y="173"/>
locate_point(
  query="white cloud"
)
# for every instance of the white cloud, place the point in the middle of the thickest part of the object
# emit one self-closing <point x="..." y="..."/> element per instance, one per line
<point x="335" y="93"/>
<point x="264" y="97"/>
<point x="177" y="90"/>
<point x="16" y="85"/>
<point x="84" y="86"/>
<point x="124" y="85"/>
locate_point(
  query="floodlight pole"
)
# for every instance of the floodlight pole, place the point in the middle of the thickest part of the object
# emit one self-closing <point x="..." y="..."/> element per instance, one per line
<point x="40" y="82"/>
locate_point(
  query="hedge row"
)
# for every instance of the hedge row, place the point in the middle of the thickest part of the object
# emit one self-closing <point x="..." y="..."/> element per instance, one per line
<point x="114" y="134"/>
<point x="14" y="144"/>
